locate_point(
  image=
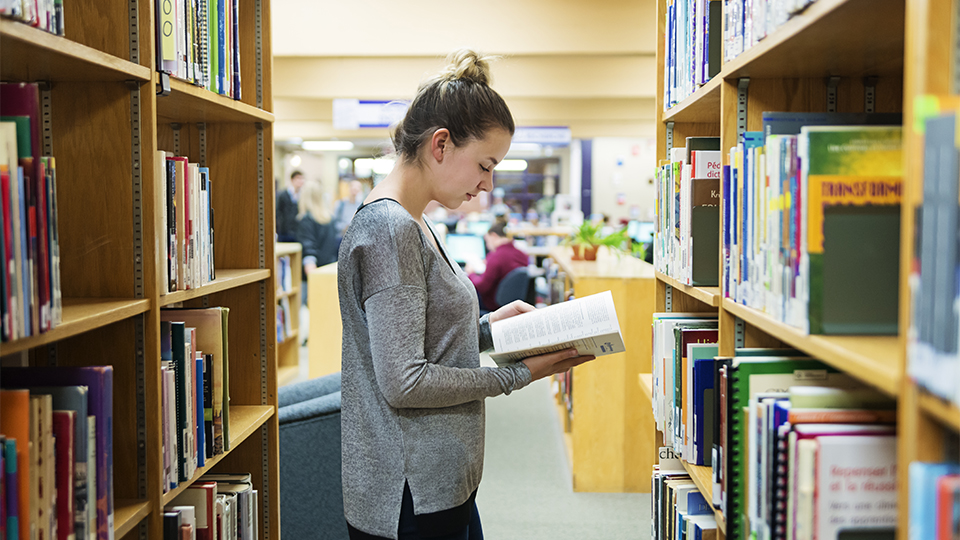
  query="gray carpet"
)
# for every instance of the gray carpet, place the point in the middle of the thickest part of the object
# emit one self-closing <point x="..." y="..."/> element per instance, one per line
<point x="526" y="493"/>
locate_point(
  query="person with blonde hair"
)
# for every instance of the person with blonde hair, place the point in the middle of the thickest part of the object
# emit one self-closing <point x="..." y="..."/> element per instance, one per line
<point x="315" y="232"/>
<point x="413" y="390"/>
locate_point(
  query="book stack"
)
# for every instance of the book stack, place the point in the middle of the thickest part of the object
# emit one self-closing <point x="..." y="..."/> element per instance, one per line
<point x="56" y="430"/>
<point x="199" y="41"/>
<point x="30" y="292"/>
<point x="216" y="507"/>
<point x="934" y="324"/>
<point x="691" y="47"/>
<point x="679" y="510"/>
<point x="46" y="15"/>
<point x="811" y="202"/>
<point x="187" y="218"/>
<point x="746" y="22"/>
<point x="747" y="418"/>
<point x="687" y="232"/>
<point x="195" y="390"/>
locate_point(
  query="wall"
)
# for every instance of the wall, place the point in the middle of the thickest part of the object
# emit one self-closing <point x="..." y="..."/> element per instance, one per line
<point x="624" y="167"/>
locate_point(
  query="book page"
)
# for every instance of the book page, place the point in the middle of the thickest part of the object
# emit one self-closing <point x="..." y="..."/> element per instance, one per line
<point x="589" y="324"/>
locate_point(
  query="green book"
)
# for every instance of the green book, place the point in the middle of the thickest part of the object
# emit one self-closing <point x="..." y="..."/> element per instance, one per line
<point x="747" y="377"/>
<point x="852" y="178"/>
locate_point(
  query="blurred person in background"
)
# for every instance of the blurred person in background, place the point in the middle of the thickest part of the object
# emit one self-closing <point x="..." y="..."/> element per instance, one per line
<point x="287" y="208"/>
<point x="315" y="230"/>
<point x="498" y="207"/>
<point x="502" y="258"/>
<point x="347" y="207"/>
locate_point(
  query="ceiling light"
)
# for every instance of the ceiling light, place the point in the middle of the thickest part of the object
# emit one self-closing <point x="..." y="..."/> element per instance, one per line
<point x="295" y="160"/>
<point x="327" y="146"/>
<point x="512" y="165"/>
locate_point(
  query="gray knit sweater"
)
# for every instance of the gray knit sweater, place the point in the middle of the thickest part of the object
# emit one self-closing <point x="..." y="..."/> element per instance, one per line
<point x="413" y="388"/>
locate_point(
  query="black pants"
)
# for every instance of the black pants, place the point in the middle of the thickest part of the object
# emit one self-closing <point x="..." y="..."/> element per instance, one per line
<point x="408" y="528"/>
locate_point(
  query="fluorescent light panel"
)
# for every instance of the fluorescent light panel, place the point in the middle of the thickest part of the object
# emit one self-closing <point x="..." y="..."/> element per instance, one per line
<point x="512" y="165"/>
<point x="327" y="146"/>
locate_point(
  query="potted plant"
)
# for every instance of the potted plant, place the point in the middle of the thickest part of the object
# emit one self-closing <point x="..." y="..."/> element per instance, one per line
<point x="586" y="241"/>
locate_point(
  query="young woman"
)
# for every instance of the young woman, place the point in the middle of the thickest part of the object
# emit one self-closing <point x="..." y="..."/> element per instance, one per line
<point x="413" y="389"/>
<point x="315" y="230"/>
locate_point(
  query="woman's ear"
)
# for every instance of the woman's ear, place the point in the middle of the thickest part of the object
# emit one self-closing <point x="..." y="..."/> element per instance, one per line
<point x="440" y="144"/>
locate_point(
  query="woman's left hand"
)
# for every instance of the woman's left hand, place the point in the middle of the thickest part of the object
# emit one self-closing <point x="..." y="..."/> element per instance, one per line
<point x="513" y="308"/>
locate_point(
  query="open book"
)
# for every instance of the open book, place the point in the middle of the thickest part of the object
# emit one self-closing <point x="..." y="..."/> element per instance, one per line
<point x="588" y="324"/>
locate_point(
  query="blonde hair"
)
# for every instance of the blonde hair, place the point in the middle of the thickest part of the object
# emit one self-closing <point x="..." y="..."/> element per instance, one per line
<point x="459" y="99"/>
<point x="312" y="201"/>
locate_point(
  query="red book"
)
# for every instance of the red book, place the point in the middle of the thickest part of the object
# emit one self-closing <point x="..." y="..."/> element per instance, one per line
<point x="948" y="507"/>
<point x="63" y="430"/>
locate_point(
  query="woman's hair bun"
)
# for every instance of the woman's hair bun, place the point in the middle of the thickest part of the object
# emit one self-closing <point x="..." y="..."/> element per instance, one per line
<point x="466" y="64"/>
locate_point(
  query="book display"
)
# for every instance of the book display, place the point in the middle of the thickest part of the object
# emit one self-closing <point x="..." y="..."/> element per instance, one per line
<point x="155" y="278"/>
<point x="826" y="404"/>
<point x="289" y="278"/>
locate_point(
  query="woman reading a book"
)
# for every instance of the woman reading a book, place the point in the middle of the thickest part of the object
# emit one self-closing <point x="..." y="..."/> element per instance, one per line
<point x="413" y="389"/>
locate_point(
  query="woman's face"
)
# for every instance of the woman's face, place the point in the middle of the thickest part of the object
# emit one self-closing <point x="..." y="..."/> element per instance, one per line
<point x="465" y="171"/>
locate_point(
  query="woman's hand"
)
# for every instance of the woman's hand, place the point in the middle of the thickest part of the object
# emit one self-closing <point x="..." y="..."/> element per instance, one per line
<point x="513" y="308"/>
<point x="551" y="363"/>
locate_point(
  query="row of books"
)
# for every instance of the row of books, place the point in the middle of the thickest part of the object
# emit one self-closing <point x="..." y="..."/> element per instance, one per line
<point x="30" y="293"/>
<point x="46" y="15"/>
<point x="678" y="508"/>
<point x="934" y="501"/>
<point x="284" y="320"/>
<point x="187" y="202"/>
<point x="57" y="429"/>
<point x="691" y="47"/>
<point x="686" y="240"/>
<point x="809" y="202"/>
<point x="933" y="349"/>
<point x="216" y="507"/>
<point x="747" y="417"/>
<point x="199" y="41"/>
<point x="747" y="22"/>
<point x="195" y="387"/>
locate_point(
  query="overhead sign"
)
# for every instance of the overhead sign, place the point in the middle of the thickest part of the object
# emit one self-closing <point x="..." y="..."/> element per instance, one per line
<point x="350" y="114"/>
<point x="552" y="135"/>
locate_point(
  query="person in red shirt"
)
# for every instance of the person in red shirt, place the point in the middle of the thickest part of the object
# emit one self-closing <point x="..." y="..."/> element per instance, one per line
<point x="502" y="257"/>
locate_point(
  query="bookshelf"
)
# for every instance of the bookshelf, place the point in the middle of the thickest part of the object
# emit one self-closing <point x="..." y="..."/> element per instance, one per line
<point x="607" y="452"/>
<point x="885" y="52"/>
<point x="288" y="350"/>
<point x="106" y="124"/>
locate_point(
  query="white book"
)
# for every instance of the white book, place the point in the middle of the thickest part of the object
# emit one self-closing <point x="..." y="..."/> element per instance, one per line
<point x="588" y="324"/>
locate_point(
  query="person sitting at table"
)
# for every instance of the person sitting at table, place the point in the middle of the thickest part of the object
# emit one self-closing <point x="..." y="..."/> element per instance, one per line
<point x="502" y="257"/>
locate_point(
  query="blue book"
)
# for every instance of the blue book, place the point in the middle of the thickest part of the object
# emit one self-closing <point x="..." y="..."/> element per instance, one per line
<point x="201" y="446"/>
<point x="789" y="123"/>
<point x="703" y="403"/>
<point x="726" y="230"/>
<point x="222" y="42"/>
<point x="923" y="497"/>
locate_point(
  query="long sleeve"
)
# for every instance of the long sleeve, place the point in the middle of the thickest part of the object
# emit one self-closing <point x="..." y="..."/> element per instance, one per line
<point x="397" y="318"/>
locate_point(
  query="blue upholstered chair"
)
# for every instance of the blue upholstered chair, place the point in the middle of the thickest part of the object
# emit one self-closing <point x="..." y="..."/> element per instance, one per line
<point x="311" y="492"/>
<point x="516" y="285"/>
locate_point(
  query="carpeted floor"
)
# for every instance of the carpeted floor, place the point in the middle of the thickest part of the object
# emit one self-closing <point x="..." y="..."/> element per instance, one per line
<point x="526" y="491"/>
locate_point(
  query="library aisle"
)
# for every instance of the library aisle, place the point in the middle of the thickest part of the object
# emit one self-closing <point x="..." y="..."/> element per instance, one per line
<point x="526" y="491"/>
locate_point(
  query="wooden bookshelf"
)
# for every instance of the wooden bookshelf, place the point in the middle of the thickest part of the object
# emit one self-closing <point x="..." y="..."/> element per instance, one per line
<point x="244" y="421"/>
<point x="287" y="375"/>
<point x="288" y="350"/>
<point x="30" y="54"/>
<point x="703" y="106"/>
<point x="99" y="99"/>
<point x="894" y="43"/>
<point x="81" y="315"/>
<point x="944" y="412"/>
<point x="190" y="104"/>
<point x="128" y="514"/>
<point x="876" y="360"/>
<point x="707" y="295"/>
<point x="609" y="453"/>
<point x="226" y="280"/>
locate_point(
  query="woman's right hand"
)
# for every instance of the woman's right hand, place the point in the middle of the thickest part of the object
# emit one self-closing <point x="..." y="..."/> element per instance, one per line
<point x="556" y="362"/>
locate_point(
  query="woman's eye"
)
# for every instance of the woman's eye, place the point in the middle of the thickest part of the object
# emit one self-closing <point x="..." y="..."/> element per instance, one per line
<point x="484" y="169"/>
